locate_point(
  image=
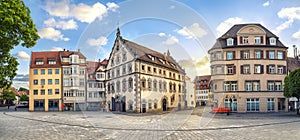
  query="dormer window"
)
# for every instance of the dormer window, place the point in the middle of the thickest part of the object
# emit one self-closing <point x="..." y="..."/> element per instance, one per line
<point x="151" y="57"/>
<point x="245" y="40"/>
<point x="229" y="42"/>
<point x="257" y="40"/>
<point x="51" y="61"/>
<point x="162" y="61"/>
<point x="39" y="61"/>
<point x="272" y="41"/>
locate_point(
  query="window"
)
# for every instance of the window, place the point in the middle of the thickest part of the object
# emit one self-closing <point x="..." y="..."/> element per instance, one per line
<point x="35" y="92"/>
<point x="245" y="69"/>
<point x="281" y="69"/>
<point x="81" y="71"/>
<point x="39" y="61"/>
<point x="49" y="81"/>
<point x="35" y="82"/>
<point x="258" y="69"/>
<point x="90" y="94"/>
<point x="271" y="54"/>
<point x="56" y="81"/>
<point x="143" y="67"/>
<point x="130" y="83"/>
<point x="43" y="81"/>
<point x="253" y="104"/>
<point x="270" y="86"/>
<point x="124" y="69"/>
<point x="95" y="95"/>
<point x="252" y="85"/>
<point x="271" y="69"/>
<point x="49" y="91"/>
<point x="278" y="86"/>
<point x="274" y="85"/>
<point x="280" y="55"/>
<point x="149" y="69"/>
<point x="124" y="85"/>
<point x="149" y="106"/>
<point x="154" y="85"/>
<point x="154" y="70"/>
<point x="245" y="54"/>
<point x="220" y="70"/>
<point x="51" y="61"/>
<point x="155" y="105"/>
<point x="66" y="71"/>
<point x="219" y="56"/>
<point x="66" y="82"/>
<point x="124" y="57"/>
<point x="49" y="71"/>
<point x="271" y="104"/>
<point x="248" y="86"/>
<point x="230" y="86"/>
<point x="129" y="68"/>
<point x="272" y="41"/>
<point x="230" y="55"/>
<point x="35" y="71"/>
<point x="42" y="92"/>
<point x="230" y="69"/>
<point x="43" y="71"/>
<point x="81" y="82"/>
<point x="258" y="54"/>
<point x="229" y="42"/>
<point x="56" y="91"/>
<point x="143" y="84"/>
<point x="256" y="85"/>
<point x="56" y="71"/>
<point x="257" y="40"/>
<point x="245" y="40"/>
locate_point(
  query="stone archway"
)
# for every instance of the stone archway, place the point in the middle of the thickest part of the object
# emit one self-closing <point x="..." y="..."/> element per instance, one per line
<point x="164" y="104"/>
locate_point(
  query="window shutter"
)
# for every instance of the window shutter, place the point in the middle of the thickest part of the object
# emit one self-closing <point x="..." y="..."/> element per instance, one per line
<point x="241" y="40"/>
<point x="242" y="56"/>
<point x="284" y="69"/>
<point x="261" y="69"/>
<point x="262" y="54"/>
<point x="262" y="39"/>
<point x="267" y="53"/>
<point x="283" y="55"/>
<point x="233" y="55"/>
<point x="242" y="70"/>
<point x="234" y="70"/>
<point x="267" y="69"/>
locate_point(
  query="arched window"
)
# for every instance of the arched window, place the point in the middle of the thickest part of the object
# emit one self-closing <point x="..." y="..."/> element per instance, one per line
<point x="149" y="84"/>
<point x="160" y="85"/>
<point x="118" y="86"/>
<point x="124" y="85"/>
<point x="143" y="83"/>
<point x="113" y="87"/>
<point x="130" y="84"/>
<point x="108" y="88"/>
<point x="170" y="87"/>
<point x="165" y="86"/>
<point x="154" y="85"/>
<point x="174" y="87"/>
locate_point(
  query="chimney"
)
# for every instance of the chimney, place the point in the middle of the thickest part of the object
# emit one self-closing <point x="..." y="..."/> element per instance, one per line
<point x="98" y="60"/>
<point x="295" y="51"/>
<point x="64" y="49"/>
<point x="78" y="50"/>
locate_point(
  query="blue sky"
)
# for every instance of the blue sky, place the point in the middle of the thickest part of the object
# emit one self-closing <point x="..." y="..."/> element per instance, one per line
<point x="188" y="28"/>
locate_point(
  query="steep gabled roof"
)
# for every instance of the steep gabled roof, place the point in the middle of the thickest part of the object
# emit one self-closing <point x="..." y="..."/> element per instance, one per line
<point x="44" y="56"/>
<point x="292" y="63"/>
<point x="67" y="53"/>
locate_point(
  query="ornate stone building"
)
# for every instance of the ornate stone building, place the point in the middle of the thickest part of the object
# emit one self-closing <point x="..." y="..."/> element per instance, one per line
<point x="139" y="79"/>
<point x="248" y="66"/>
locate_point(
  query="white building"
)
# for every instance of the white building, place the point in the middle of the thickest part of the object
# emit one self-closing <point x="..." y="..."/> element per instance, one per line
<point x="190" y="93"/>
<point x="142" y="80"/>
<point x="202" y="89"/>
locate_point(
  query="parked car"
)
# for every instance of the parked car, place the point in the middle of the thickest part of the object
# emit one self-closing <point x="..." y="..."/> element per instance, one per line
<point x="23" y="104"/>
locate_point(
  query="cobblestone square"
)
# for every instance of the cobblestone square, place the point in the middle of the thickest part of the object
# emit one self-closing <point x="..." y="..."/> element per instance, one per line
<point x="185" y="125"/>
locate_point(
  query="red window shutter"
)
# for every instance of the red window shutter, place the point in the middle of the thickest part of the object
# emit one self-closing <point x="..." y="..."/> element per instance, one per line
<point x="283" y="55"/>
<point x="242" y="70"/>
<point x="234" y="70"/>
<point x="262" y="69"/>
<point x="242" y="54"/>
<point x="241" y="40"/>
<point x="267" y="53"/>
<point x="262" y="39"/>
<point x="284" y="69"/>
<point x="262" y="54"/>
<point x="267" y="69"/>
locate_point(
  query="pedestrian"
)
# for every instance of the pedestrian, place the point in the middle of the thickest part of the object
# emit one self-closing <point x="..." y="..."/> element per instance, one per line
<point x="15" y="108"/>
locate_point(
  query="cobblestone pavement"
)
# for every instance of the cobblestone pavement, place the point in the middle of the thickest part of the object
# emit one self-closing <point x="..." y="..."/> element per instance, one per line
<point x="183" y="125"/>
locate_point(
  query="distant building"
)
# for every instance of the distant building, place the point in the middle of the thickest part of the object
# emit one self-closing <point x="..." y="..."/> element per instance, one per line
<point x="45" y="86"/>
<point x="202" y="89"/>
<point x="248" y="67"/>
<point x="96" y="85"/>
<point x="190" y="93"/>
<point x="142" y="80"/>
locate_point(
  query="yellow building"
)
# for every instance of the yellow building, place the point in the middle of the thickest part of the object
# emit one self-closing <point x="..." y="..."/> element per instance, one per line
<point x="45" y="82"/>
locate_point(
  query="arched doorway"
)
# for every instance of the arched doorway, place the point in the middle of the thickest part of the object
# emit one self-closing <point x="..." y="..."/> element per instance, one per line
<point x="164" y="104"/>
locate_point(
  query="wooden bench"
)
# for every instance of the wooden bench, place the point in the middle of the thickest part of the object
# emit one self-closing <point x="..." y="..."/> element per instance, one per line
<point x="221" y="110"/>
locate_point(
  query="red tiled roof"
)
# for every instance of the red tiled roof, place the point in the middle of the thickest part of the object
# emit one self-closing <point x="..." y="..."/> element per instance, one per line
<point x="67" y="53"/>
<point x="199" y="84"/>
<point x="44" y="56"/>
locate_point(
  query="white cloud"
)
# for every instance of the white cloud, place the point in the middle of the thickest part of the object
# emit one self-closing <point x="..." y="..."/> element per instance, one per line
<point x="171" y="40"/>
<point x="52" y="34"/>
<point x="81" y="12"/>
<point x="98" y="41"/>
<point x="161" y="34"/>
<point x="23" y="55"/>
<point x="65" y="25"/>
<point x="112" y="6"/>
<point x="291" y="13"/>
<point x="296" y="35"/>
<point x="266" y="4"/>
<point x="193" y="31"/>
<point x="56" y="49"/>
<point x="227" y="24"/>
<point x="172" y="7"/>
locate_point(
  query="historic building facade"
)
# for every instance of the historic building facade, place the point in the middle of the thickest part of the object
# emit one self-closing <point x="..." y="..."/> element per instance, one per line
<point x="45" y="85"/>
<point x="202" y="89"/>
<point x="190" y="93"/>
<point x="96" y="85"/>
<point x="248" y="66"/>
<point x="139" y="79"/>
<point x="74" y="80"/>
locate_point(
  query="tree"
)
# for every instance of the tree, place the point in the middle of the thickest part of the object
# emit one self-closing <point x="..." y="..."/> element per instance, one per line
<point x="16" y="26"/>
<point x="291" y="85"/>
<point x="8" y="95"/>
<point x="24" y="97"/>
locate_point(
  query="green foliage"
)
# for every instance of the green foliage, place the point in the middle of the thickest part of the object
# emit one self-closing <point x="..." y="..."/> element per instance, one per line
<point x="8" y="94"/>
<point x="23" y="89"/>
<point x="286" y="87"/>
<point x="16" y="26"/>
<point x="292" y="84"/>
<point x="24" y="97"/>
